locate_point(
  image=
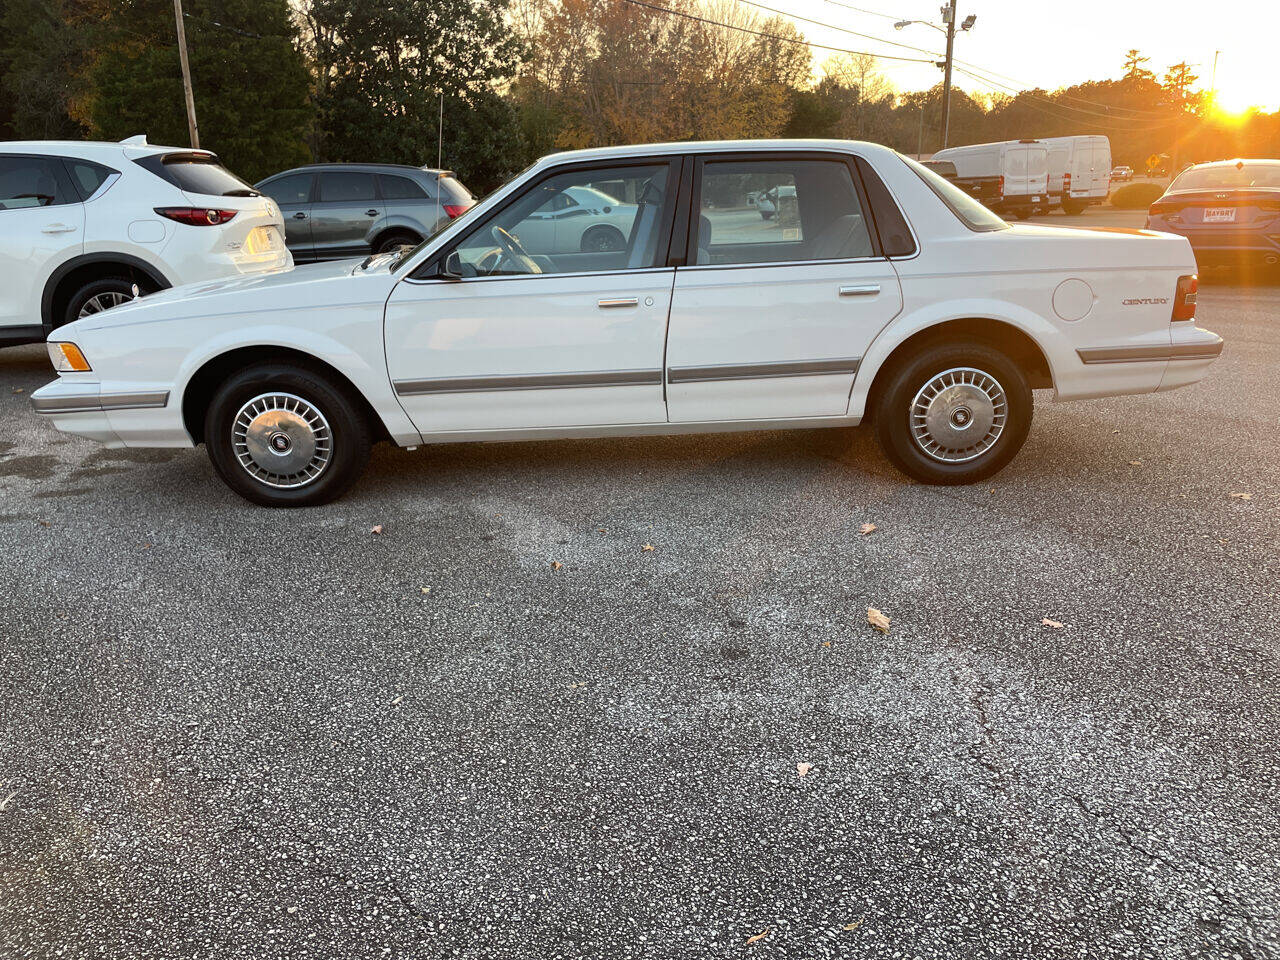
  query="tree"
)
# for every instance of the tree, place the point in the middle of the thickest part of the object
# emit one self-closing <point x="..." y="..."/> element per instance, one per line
<point x="41" y="58"/>
<point x="1177" y="84"/>
<point x="249" y="78"/>
<point x="1133" y="69"/>
<point x="380" y="70"/>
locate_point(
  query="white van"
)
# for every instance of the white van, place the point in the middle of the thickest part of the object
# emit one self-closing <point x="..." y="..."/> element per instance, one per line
<point x="1009" y="177"/>
<point x="1079" y="171"/>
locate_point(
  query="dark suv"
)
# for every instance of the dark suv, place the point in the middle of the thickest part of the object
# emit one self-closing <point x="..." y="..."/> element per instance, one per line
<point x="336" y="210"/>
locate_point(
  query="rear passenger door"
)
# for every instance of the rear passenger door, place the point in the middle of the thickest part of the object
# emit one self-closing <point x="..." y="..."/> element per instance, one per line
<point x="408" y="206"/>
<point x="343" y="214"/>
<point x="41" y="226"/>
<point x="293" y="194"/>
<point x="770" y="318"/>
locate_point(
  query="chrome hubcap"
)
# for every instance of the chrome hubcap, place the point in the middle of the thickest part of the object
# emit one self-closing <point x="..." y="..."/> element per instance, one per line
<point x="102" y="301"/>
<point x="282" y="440"/>
<point x="959" y="415"/>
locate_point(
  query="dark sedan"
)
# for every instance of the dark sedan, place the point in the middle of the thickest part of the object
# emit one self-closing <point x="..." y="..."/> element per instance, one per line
<point x="1228" y="209"/>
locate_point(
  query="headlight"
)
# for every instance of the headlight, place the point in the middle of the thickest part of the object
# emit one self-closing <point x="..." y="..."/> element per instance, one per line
<point x="67" y="358"/>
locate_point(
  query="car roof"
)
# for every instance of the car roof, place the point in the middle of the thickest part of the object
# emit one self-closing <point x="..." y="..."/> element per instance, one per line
<point x="365" y="168"/>
<point x="707" y="146"/>
<point x="91" y="149"/>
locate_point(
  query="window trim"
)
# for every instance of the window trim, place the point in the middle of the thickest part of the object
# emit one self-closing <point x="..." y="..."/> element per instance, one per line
<point x="107" y="182"/>
<point x="425" y="272"/>
<point x="861" y="161"/>
<point x="751" y="156"/>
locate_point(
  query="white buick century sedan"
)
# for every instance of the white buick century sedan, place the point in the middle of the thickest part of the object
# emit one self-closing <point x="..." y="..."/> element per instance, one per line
<point x="887" y="292"/>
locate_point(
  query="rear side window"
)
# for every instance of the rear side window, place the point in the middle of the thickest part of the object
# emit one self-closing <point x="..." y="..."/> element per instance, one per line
<point x="88" y="176"/>
<point x="895" y="235"/>
<point x="32" y="182"/>
<point x="197" y="173"/>
<point x="400" y="188"/>
<point x="337" y="187"/>
<point x="779" y="210"/>
<point x="293" y="189"/>
<point x="451" y="190"/>
<point x="971" y="213"/>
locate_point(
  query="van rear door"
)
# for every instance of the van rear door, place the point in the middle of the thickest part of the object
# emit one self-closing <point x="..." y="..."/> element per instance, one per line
<point x="1100" y="173"/>
<point x="1026" y="170"/>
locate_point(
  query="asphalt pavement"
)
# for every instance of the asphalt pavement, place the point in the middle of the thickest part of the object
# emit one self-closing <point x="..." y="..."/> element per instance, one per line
<point x="504" y="727"/>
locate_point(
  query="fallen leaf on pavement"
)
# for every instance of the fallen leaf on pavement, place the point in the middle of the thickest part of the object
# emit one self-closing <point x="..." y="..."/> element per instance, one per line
<point x="758" y="937"/>
<point x="1051" y="623"/>
<point x="425" y="589"/>
<point x="556" y="564"/>
<point x="647" y="548"/>
<point x="578" y="683"/>
<point x="868" y="528"/>
<point x="826" y="643"/>
<point x="17" y="389"/>
<point x="803" y="768"/>
<point x="293" y="910"/>
<point x="852" y="926"/>
<point x="877" y="619"/>
<point x="377" y="529"/>
<point x="1242" y="496"/>
<point x="397" y="700"/>
<point x="1135" y="463"/>
<point x="45" y="523"/>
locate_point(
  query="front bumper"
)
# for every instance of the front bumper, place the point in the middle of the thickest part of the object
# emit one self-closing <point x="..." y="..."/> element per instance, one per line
<point x="116" y="415"/>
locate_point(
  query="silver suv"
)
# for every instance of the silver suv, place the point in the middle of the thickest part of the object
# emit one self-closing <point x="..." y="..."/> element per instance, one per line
<point x="336" y="210"/>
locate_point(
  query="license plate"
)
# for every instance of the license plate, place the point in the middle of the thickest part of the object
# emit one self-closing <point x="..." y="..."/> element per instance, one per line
<point x="263" y="240"/>
<point x="1219" y="215"/>
<point x="1035" y="199"/>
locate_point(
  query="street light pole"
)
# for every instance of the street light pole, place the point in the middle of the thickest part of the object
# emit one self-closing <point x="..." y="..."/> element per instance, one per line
<point x="192" y="129"/>
<point x="950" y="14"/>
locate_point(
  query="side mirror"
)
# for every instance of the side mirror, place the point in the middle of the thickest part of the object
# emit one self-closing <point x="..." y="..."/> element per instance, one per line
<point x="450" y="267"/>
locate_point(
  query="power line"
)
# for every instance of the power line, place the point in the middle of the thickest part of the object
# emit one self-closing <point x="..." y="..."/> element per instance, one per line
<point x="829" y="26"/>
<point x="1124" y="122"/>
<point x="874" y="13"/>
<point x="772" y="36"/>
<point x="1140" y="112"/>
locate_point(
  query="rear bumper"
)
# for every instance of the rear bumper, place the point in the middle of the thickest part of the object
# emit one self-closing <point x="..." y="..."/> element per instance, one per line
<point x="1216" y="247"/>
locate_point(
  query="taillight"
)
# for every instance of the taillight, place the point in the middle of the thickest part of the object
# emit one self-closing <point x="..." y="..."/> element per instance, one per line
<point x="1066" y="182"/>
<point x="1184" y="302"/>
<point x="197" y="216"/>
<point x="455" y="210"/>
<point x="1001" y="186"/>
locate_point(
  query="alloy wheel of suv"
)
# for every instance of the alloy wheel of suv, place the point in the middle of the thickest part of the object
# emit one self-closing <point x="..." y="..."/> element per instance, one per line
<point x="98" y="295"/>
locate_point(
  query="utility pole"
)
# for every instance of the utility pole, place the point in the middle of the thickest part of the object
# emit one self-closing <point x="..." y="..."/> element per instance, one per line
<point x="948" y="14"/>
<point x="186" y="76"/>
<point x="1213" y="83"/>
<point x="920" y="136"/>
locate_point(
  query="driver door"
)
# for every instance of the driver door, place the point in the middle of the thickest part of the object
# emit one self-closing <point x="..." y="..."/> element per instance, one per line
<point x="531" y="337"/>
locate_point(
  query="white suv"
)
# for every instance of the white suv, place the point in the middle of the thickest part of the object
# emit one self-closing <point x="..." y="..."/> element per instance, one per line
<point x="87" y="226"/>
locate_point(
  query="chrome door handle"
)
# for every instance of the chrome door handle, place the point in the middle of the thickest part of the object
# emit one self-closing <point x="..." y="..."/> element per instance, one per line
<point x="299" y="215"/>
<point x="620" y="302"/>
<point x="860" y="290"/>
<point x="58" y="228"/>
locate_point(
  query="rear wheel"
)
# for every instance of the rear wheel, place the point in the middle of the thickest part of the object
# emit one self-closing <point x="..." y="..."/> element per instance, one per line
<point x="399" y="239"/>
<point x="1072" y="207"/>
<point x="285" y="436"/>
<point x="954" y="413"/>
<point x="603" y="240"/>
<point x="96" y="296"/>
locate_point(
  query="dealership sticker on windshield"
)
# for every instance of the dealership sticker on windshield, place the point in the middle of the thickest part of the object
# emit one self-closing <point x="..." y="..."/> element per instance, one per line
<point x="1220" y="215"/>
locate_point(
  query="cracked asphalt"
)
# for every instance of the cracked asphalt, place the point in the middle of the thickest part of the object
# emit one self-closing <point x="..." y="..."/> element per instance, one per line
<point x="231" y="732"/>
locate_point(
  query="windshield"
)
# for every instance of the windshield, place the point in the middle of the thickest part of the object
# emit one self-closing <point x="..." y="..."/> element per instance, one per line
<point x="971" y="213"/>
<point x="1229" y="176"/>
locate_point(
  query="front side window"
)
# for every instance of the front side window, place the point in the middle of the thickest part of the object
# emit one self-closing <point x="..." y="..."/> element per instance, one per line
<point x="970" y="212"/>
<point x="30" y="182"/>
<point x="778" y="211"/>
<point x="551" y="229"/>
<point x="346" y="187"/>
<point x="290" y="190"/>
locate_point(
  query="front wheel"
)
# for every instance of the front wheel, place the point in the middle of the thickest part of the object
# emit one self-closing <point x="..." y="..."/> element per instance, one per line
<point x="953" y="413"/>
<point x="285" y="436"/>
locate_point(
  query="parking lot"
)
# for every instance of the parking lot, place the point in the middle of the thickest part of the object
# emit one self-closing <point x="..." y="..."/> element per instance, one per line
<point x="503" y="726"/>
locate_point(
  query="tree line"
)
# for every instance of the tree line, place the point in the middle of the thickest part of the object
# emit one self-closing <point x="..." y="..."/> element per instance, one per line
<point x="283" y="82"/>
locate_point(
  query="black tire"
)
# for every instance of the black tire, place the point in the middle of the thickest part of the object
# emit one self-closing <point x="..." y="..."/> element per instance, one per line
<point x="908" y="379"/>
<point x="401" y="238"/>
<point x="102" y="289"/>
<point x="1072" y="207"/>
<point x="349" y="435"/>
<point x="602" y="239"/>
<point x="766" y="214"/>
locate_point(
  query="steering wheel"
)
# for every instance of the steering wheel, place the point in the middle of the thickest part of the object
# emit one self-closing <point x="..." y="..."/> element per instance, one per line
<point x="514" y="251"/>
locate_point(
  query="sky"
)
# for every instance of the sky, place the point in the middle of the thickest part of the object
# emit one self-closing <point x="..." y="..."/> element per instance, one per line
<point x="1054" y="44"/>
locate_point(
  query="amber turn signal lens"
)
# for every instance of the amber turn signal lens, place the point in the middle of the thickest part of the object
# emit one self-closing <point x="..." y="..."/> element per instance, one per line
<point x="67" y="358"/>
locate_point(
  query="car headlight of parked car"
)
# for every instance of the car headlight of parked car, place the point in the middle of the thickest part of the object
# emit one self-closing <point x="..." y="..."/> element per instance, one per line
<point x="67" y="358"/>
